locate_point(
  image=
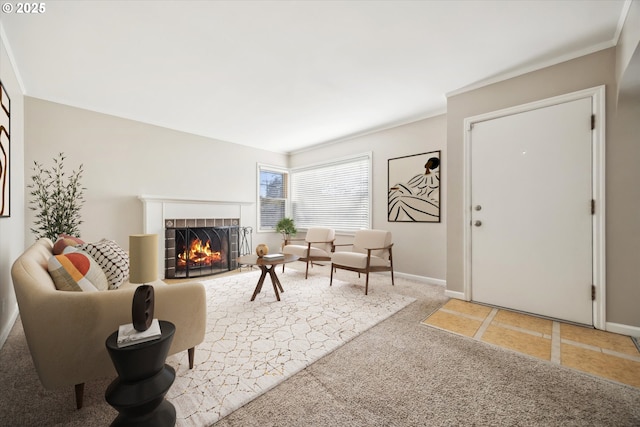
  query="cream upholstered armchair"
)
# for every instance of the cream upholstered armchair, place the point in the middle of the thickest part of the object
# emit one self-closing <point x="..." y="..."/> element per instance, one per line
<point x="66" y="331"/>
<point x="371" y="251"/>
<point x="318" y="246"/>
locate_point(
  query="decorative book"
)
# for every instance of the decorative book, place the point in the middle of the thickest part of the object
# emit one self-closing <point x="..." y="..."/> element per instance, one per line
<point x="128" y="335"/>
<point x="272" y="256"/>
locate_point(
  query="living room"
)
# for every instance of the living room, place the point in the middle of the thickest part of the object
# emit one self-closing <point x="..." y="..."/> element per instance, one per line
<point x="125" y="159"/>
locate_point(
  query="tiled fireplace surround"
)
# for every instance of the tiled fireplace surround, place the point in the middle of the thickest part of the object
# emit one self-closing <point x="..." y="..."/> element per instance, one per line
<point x="157" y="210"/>
<point x="170" y="239"/>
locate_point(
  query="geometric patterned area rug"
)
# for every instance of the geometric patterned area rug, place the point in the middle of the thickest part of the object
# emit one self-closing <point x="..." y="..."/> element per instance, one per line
<point x="600" y="353"/>
<point x="250" y="347"/>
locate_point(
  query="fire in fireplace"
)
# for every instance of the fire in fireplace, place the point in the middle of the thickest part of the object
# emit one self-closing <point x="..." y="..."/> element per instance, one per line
<point x="200" y="251"/>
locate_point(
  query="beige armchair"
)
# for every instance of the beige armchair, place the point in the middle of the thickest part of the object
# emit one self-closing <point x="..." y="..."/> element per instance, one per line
<point x="318" y="247"/>
<point x="371" y="252"/>
<point x="66" y="331"/>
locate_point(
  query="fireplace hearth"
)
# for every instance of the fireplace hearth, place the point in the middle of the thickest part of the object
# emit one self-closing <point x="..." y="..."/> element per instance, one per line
<point x="200" y="247"/>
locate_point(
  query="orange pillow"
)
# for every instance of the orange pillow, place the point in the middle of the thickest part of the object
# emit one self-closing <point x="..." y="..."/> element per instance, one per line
<point x="63" y="241"/>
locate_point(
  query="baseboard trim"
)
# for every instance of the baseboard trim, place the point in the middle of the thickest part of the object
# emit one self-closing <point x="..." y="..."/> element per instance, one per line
<point x="4" y="334"/>
<point x="455" y="294"/>
<point x="632" y="331"/>
<point x="423" y="279"/>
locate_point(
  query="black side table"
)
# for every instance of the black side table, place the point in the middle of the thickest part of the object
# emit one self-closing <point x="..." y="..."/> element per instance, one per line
<point x="143" y="381"/>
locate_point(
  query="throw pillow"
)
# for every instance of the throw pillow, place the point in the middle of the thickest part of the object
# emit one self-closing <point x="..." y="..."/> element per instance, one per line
<point x="64" y="240"/>
<point x="76" y="271"/>
<point x="112" y="258"/>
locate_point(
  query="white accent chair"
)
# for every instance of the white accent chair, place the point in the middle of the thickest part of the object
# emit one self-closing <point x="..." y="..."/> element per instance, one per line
<point x="371" y="252"/>
<point x="318" y="246"/>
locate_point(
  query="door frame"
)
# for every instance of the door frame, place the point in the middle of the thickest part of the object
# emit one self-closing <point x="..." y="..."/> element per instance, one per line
<point x="597" y="95"/>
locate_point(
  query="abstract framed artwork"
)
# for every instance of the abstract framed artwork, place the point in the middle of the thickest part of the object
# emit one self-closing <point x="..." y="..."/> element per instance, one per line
<point x="5" y="138"/>
<point x="414" y="188"/>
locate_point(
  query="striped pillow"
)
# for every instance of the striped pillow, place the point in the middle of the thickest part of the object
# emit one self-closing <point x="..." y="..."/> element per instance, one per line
<point x="76" y="271"/>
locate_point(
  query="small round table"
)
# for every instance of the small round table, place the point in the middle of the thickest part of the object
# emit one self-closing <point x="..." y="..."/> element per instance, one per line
<point x="267" y="266"/>
<point x="143" y="380"/>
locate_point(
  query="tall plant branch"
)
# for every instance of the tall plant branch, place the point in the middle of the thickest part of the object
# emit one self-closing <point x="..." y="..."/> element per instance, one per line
<point x="56" y="199"/>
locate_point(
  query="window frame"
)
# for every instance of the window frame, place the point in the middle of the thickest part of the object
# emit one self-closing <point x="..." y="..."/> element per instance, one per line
<point x="262" y="167"/>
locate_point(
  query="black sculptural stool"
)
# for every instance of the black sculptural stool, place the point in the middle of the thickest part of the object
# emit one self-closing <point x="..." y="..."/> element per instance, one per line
<point x="143" y="381"/>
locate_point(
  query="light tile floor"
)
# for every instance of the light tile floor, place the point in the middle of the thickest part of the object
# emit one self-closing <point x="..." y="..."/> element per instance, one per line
<point x="599" y="353"/>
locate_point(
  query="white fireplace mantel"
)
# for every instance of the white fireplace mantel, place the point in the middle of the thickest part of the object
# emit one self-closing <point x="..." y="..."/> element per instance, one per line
<point x="165" y="199"/>
<point x="156" y="209"/>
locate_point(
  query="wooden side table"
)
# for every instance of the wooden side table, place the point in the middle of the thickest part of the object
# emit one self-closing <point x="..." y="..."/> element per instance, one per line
<point x="267" y="266"/>
<point x="143" y="381"/>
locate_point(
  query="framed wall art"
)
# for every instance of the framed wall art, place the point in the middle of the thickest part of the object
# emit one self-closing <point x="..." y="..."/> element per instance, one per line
<point x="414" y="188"/>
<point x="5" y="137"/>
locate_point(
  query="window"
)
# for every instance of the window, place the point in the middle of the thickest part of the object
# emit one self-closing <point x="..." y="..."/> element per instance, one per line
<point x="335" y="194"/>
<point x="273" y="192"/>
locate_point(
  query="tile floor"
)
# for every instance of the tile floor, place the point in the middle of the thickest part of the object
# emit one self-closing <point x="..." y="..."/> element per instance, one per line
<point x="589" y="350"/>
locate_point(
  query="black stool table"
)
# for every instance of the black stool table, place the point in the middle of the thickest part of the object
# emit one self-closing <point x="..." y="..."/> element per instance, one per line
<point x="143" y="381"/>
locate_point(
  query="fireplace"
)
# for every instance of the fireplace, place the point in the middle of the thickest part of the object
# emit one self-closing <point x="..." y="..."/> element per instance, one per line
<point x="200" y="247"/>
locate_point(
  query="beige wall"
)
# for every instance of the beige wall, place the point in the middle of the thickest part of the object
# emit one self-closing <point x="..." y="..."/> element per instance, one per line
<point x="124" y="159"/>
<point x="419" y="248"/>
<point x="623" y="175"/>
<point x="623" y="213"/>
<point x="11" y="229"/>
<point x="621" y="152"/>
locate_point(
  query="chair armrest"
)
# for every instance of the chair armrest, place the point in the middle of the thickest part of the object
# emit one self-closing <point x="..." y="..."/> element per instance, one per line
<point x="73" y="327"/>
<point x="184" y="305"/>
<point x="334" y="246"/>
<point x="288" y="241"/>
<point x="379" y="249"/>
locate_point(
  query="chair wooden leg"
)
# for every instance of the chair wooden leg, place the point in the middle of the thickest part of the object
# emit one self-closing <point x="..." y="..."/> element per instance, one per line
<point x="391" y="265"/>
<point x="191" y="352"/>
<point x="331" y="279"/>
<point x="306" y="273"/>
<point x="366" y="284"/>
<point x="79" y="395"/>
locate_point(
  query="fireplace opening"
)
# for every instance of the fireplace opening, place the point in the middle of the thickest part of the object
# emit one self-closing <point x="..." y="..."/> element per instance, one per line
<point x="201" y="251"/>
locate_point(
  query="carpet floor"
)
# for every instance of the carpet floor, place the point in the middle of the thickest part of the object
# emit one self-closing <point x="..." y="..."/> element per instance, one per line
<point x="397" y="373"/>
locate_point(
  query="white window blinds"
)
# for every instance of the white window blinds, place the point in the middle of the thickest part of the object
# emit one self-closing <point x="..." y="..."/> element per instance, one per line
<point x="335" y="194"/>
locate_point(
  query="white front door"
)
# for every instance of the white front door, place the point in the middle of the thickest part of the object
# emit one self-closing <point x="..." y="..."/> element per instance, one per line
<point x="531" y="220"/>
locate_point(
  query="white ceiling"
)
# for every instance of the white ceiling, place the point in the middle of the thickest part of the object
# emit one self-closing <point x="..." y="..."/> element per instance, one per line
<point x="284" y="75"/>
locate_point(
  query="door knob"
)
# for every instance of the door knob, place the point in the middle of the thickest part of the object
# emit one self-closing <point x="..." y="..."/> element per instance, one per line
<point x="477" y="223"/>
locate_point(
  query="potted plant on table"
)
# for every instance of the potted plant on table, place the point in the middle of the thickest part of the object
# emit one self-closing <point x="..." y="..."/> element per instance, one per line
<point x="57" y="200"/>
<point x="287" y="228"/>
